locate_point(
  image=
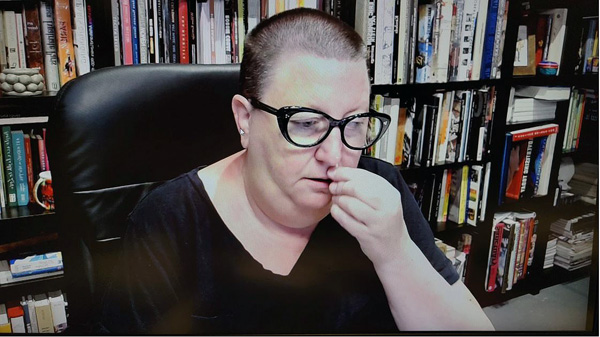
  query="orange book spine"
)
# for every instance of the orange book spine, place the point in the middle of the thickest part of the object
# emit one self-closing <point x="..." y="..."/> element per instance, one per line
<point x="64" y="38"/>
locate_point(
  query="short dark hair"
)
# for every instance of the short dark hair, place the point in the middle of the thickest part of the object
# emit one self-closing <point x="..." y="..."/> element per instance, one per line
<point x="299" y="30"/>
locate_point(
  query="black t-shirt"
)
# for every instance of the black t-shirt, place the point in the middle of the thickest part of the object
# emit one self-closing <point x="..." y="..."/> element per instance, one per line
<point x="183" y="271"/>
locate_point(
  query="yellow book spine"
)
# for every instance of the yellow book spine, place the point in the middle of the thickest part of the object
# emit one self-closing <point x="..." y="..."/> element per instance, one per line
<point x="64" y="41"/>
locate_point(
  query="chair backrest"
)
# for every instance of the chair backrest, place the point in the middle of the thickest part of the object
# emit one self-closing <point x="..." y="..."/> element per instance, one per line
<point x="115" y="134"/>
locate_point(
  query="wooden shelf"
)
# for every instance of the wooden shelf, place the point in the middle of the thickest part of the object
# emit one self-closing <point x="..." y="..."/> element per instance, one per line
<point x="14" y="291"/>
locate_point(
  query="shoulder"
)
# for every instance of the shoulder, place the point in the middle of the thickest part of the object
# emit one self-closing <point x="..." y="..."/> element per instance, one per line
<point x="381" y="168"/>
<point x="170" y="200"/>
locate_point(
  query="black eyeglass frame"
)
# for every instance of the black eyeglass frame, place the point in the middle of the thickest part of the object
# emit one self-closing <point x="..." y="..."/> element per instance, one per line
<point x="284" y="114"/>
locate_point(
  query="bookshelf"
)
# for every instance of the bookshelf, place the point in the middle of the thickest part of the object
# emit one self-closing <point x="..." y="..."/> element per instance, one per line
<point x="33" y="222"/>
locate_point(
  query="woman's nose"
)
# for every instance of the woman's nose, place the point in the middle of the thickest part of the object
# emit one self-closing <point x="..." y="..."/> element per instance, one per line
<point x="330" y="150"/>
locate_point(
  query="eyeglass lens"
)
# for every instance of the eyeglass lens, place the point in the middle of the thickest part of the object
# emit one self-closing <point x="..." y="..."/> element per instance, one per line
<point x="308" y="128"/>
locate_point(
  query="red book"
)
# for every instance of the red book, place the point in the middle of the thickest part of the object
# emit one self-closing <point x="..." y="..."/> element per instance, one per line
<point x="29" y="163"/>
<point x="184" y="51"/>
<point x="127" y="46"/>
<point x="45" y="152"/>
<point x="33" y="38"/>
<point x="538" y="131"/>
<point x="494" y="256"/>
<point x="540" y="38"/>
<point x="515" y="177"/>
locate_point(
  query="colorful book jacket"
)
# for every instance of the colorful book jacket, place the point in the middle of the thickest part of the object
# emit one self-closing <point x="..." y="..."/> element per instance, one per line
<point x="64" y="37"/>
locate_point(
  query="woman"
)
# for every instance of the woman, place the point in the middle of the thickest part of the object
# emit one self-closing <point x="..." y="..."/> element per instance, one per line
<point x="296" y="233"/>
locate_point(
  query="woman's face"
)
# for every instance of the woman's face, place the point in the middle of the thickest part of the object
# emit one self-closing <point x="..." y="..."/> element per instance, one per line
<point x="287" y="177"/>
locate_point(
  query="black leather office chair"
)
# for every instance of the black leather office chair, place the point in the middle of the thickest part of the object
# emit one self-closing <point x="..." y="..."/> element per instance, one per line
<point x="114" y="135"/>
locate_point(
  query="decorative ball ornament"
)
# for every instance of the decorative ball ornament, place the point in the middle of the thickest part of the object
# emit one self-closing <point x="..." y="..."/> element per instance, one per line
<point x="21" y="82"/>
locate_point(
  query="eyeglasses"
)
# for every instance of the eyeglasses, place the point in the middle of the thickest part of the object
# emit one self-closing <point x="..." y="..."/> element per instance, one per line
<point x="306" y="127"/>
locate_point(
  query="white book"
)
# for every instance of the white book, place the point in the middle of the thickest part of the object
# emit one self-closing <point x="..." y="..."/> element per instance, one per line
<point x="49" y="46"/>
<point x="486" y="187"/>
<point x="479" y="39"/>
<point x="475" y="186"/>
<point x="59" y="313"/>
<point x="253" y="14"/>
<point x="21" y="40"/>
<point x="220" y="41"/>
<point x="393" y="129"/>
<point x="32" y="314"/>
<point x="10" y="39"/>
<point x="116" y="34"/>
<point x="466" y="124"/>
<point x="466" y="39"/>
<point x="435" y="136"/>
<point x="311" y="4"/>
<point x="204" y="33"/>
<point x="143" y="30"/>
<point x="557" y="34"/>
<point x="498" y="38"/>
<point x="384" y="42"/>
<point x="80" y="37"/>
<point x="513" y="255"/>
<point x="3" y="60"/>
<point x="444" y="120"/>
<point x="442" y="54"/>
<point x="404" y="22"/>
<point x="568" y="125"/>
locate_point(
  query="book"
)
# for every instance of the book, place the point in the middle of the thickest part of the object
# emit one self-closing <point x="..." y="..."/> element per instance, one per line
<point x="478" y="39"/>
<point x="116" y="32"/>
<point x="43" y="314"/>
<point x="4" y="321"/>
<point x="17" y="318"/>
<point x="33" y="37"/>
<point x="9" y="166"/>
<point x="64" y="38"/>
<point x="31" y="176"/>
<point x="32" y="314"/>
<point x="21" y="40"/>
<point x="494" y="256"/>
<point x="59" y="314"/>
<point x="474" y="194"/>
<point x="488" y="39"/>
<point x="184" y="49"/>
<point x="20" y="165"/>
<point x="424" y="45"/>
<point x="90" y="36"/>
<point x="80" y="37"/>
<point x="135" y="38"/>
<point x="143" y="20"/>
<point x="126" y="33"/>
<point x="384" y="44"/>
<point x="10" y="39"/>
<point x="36" y="264"/>
<point x="518" y="157"/>
<point x="52" y="76"/>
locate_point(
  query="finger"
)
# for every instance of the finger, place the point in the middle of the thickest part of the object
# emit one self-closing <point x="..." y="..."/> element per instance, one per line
<point x="349" y="223"/>
<point x="355" y="208"/>
<point x="369" y="190"/>
<point x="347" y="173"/>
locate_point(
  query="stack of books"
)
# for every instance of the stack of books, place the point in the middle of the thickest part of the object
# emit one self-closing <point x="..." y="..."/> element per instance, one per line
<point x="585" y="182"/>
<point x="534" y="103"/>
<point x="512" y="248"/>
<point x="457" y="255"/>
<point x="582" y="119"/>
<point x="574" y="238"/>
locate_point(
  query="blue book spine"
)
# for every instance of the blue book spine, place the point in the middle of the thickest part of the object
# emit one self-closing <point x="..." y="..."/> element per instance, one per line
<point x="135" y="40"/>
<point x="18" y="144"/>
<point x="488" y="43"/>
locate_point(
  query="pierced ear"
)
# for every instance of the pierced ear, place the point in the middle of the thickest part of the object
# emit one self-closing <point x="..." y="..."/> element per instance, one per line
<point x="241" y="108"/>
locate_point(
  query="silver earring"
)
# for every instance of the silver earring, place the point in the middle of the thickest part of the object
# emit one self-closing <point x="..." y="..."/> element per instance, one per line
<point x="242" y="132"/>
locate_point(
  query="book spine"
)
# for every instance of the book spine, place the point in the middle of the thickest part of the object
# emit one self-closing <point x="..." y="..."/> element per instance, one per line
<point x="371" y="35"/>
<point x="494" y="257"/>
<point x="496" y="56"/>
<point x="49" y="43"/>
<point x="90" y="35"/>
<point x="32" y="315"/>
<point x="64" y="37"/>
<point x="9" y="167"/>
<point x="184" y="52"/>
<point x="192" y="32"/>
<point x="21" y="40"/>
<point x="151" y="31"/>
<point x="20" y="168"/>
<point x="10" y="39"/>
<point x="143" y="18"/>
<point x="526" y="168"/>
<point x="466" y="40"/>
<point x="159" y="32"/>
<point x="29" y="164"/>
<point x="384" y="42"/>
<point x="3" y="51"/>
<point x="135" y="37"/>
<point x="126" y="34"/>
<point x="488" y="42"/>
<point x="80" y="37"/>
<point x="3" y="190"/>
<point x="424" y="45"/>
<point x="228" y="42"/>
<point x="33" y="38"/>
<point x="173" y="31"/>
<point x="116" y="31"/>
<point x="396" y="41"/>
<point x="478" y="39"/>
